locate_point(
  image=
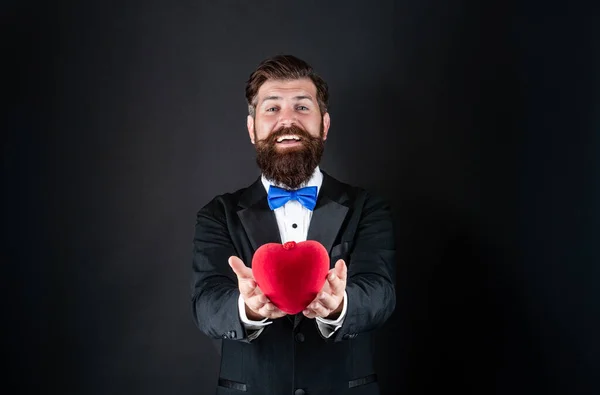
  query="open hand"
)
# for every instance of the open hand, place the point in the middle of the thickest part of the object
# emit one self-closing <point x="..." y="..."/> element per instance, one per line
<point x="330" y="300"/>
<point x="258" y="306"/>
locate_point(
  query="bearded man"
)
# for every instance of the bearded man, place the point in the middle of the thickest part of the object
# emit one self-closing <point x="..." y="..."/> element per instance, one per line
<point x="327" y="348"/>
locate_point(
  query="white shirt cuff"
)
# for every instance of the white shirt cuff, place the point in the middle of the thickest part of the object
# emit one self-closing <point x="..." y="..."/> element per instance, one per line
<point x="253" y="328"/>
<point x="328" y="327"/>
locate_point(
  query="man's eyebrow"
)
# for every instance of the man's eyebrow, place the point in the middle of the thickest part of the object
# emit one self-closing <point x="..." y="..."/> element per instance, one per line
<point x="297" y="98"/>
<point x="271" y="98"/>
<point x="303" y="97"/>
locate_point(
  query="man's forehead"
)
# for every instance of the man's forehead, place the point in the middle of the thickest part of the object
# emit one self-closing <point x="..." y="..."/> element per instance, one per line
<point x="287" y="88"/>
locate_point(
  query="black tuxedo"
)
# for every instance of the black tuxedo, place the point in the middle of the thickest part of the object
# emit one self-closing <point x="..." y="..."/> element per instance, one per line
<point x="290" y="356"/>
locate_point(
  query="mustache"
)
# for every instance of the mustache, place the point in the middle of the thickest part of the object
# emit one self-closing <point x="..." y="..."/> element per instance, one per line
<point x="285" y="130"/>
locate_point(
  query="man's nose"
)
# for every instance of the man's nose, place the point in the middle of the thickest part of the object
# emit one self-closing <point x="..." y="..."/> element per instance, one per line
<point x="287" y="117"/>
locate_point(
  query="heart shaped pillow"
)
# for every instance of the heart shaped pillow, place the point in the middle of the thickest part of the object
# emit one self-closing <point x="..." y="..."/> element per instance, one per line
<point x="291" y="274"/>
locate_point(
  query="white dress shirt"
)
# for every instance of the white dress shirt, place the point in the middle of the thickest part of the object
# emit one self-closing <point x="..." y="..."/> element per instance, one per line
<point x="293" y="220"/>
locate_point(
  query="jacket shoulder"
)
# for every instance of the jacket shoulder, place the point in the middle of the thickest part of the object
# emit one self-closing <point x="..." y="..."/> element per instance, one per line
<point x="356" y="193"/>
<point x="222" y="203"/>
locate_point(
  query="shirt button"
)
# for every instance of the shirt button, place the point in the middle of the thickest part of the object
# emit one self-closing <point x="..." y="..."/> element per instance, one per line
<point x="294" y="226"/>
<point x="299" y="391"/>
<point x="299" y="337"/>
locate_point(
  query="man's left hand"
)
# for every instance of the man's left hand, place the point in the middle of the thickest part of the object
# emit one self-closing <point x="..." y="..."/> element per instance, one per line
<point x="330" y="300"/>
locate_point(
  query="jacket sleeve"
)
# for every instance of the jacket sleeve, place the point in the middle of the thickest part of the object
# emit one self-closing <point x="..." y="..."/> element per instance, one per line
<point x="371" y="280"/>
<point x="215" y="291"/>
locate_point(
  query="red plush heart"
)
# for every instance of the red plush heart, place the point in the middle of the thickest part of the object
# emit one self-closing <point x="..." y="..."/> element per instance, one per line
<point x="291" y="274"/>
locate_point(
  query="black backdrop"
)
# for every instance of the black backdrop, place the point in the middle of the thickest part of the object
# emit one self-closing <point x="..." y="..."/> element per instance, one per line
<point x="478" y="121"/>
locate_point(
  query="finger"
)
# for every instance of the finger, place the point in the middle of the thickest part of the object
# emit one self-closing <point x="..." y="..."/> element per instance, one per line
<point x="247" y="288"/>
<point x="269" y="310"/>
<point x="328" y="301"/>
<point x="319" y="309"/>
<point x="278" y="314"/>
<point x="308" y="313"/>
<point x="326" y="286"/>
<point x="336" y="284"/>
<point x="341" y="270"/>
<point x="240" y="270"/>
<point x="256" y="302"/>
<point x="250" y="289"/>
<point x="257" y="290"/>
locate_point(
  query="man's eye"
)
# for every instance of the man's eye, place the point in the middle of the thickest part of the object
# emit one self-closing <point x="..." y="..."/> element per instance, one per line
<point x="271" y="109"/>
<point x="302" y="108"/>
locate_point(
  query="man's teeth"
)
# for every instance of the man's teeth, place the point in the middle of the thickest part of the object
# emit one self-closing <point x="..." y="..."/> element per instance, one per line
<point x="288" y="137"/>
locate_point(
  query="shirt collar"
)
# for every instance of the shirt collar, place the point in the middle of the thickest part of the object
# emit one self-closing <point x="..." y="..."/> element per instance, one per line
<point x="315" y="181"/>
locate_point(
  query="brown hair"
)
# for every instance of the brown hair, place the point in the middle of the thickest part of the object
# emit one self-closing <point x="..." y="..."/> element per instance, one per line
<point x="284" y="67"/>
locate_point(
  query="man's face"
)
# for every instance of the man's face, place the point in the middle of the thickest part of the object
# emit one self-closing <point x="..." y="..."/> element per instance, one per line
<point x="281" y="104"/>
<point x="288" y="131"/>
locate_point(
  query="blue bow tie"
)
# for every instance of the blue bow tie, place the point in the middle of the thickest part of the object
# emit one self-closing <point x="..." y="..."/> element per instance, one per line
<point x="307" y="196"/>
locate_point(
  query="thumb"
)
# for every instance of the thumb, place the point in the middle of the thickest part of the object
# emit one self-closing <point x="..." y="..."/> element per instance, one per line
<point x="341" y="269"/>
<point x="239" y="268"/>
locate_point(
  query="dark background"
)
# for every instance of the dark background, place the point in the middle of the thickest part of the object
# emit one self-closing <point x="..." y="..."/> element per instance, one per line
<point x="479" y="121"/>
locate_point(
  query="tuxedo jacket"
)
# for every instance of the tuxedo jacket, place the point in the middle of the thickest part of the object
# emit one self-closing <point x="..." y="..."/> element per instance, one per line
<point x="291" y="356"/>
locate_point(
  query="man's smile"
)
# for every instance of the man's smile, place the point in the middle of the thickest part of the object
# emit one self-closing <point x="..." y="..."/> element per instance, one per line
<point x="289" y="140"/>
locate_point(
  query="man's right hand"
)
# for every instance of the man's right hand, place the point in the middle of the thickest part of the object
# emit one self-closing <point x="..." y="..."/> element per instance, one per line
<point x="258" y="306"/>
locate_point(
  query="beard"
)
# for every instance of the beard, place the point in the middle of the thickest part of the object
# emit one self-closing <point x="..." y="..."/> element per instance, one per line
<point x="291" y="166"/>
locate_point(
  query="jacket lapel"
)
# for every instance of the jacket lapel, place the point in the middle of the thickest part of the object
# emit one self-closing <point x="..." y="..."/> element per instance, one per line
<point x="326" y="222"/>
<point x="257" y="218"/>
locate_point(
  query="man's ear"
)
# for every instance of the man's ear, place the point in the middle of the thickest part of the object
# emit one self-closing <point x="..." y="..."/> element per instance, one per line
<point x="250" y="125"/>
<point x="326" y="124"/>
